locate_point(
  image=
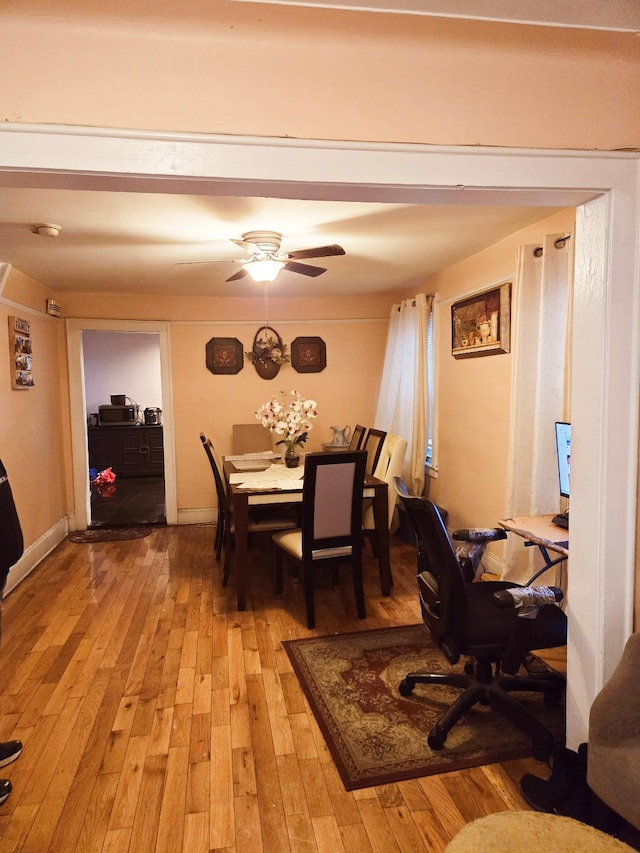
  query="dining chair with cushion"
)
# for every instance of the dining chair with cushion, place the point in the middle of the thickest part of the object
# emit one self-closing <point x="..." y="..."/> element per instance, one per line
<point x="390" y="465"/>
<point x="250" y="438"/>
<point x="373" y="445"/>
<point x="225" y="514"/>
<point x="357" y="437"/>
<point x="331" y="532"/>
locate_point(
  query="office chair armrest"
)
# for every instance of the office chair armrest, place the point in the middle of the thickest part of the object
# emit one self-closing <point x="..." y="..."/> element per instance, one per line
<point x="527" y="598"/>
<point x="528" y="601"/>
<point x="479" y="534"/>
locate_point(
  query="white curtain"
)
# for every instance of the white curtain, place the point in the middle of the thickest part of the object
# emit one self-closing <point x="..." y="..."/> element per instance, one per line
<point x="403" y="402"/>
<point x="540" y="390"/>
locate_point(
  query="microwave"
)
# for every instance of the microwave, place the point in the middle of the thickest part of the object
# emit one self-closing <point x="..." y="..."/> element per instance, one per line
<point x="119" y="415"/>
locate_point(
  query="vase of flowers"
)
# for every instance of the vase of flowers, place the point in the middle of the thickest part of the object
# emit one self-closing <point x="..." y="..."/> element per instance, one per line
<point x="291" y="420"/>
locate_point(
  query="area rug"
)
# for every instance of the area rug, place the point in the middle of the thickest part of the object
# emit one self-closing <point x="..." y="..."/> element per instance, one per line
<point x="376" y="736"/>
<point x="109" y="534"/>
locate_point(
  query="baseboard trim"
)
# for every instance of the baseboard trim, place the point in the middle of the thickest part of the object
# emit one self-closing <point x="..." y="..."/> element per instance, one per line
<point x="492" y="564"/>
<point x="203" y="515"/>
<point x="35" y="553"/>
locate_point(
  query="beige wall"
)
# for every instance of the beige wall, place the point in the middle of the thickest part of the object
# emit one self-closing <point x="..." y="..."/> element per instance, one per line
<point x="35" y="428"/>
<point x="474" y="395"/>
<point x="346" y="391"/>
<point x="33" y="425"/>
<point x="289" y="72"/>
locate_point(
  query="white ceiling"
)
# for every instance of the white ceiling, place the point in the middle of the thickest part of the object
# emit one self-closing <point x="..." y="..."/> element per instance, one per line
<point x="119" y="242"/>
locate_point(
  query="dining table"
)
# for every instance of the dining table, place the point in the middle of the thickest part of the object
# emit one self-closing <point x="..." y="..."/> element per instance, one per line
<point x="257" y="486"/>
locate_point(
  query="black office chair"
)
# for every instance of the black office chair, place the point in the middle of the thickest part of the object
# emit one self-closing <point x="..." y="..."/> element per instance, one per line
<point x="357" y="437"/>
<point x="471" y="619"/>
<point x="373" y="445"/>
<point x="226" y="528"/>
<point x="331" y="532"/>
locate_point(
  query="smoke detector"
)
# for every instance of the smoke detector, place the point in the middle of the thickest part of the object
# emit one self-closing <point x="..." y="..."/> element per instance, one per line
<point x="47" y="229"/>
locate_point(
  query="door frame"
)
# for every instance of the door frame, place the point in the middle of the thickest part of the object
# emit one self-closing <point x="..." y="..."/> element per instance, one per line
<point x="79" y="448"/>
<point x="604" y="186"/>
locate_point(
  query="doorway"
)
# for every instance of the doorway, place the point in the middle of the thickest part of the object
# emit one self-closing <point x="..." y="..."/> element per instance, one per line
<point x="126" y="460"/>
<point x="606" y="339"/>
<point x="146" y="342"/>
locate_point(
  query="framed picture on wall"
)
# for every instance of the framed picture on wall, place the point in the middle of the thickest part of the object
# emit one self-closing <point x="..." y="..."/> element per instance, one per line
<point x="481" y="324"/>
<point x="20" y="351"/>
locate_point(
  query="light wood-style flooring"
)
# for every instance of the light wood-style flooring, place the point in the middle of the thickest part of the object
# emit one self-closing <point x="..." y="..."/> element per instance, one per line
<point x="156" y="717"/>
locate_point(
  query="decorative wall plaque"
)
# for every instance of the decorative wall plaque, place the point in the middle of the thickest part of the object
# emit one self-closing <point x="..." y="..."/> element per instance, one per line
<point x="268" y="353"/>
<point x="309" y="355"/>
<point x="224" y="355"/>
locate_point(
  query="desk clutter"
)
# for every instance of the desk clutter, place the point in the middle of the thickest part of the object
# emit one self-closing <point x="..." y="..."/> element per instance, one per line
<point x="273" y="477"/>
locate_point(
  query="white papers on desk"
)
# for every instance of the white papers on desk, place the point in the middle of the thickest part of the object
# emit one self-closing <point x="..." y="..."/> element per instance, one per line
<point x="275" y="477"/>
<point x="264" y="454"/>
<point x="288" y="485"/>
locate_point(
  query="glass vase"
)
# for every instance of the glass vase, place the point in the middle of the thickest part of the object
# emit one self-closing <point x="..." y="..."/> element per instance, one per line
<point x="291" y="457"/>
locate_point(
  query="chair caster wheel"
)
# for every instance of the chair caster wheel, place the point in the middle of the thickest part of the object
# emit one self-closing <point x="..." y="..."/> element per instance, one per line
<point x="405" y="688"/>
<point x="435" y="741"/>
<point x="469" y="668"/>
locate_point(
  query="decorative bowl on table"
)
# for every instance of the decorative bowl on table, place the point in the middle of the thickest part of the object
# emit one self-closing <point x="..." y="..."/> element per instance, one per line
<point x="334" y="448"/>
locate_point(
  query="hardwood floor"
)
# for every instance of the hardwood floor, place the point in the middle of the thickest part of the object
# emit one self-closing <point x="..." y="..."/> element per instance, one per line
<point x="156" y="717"/>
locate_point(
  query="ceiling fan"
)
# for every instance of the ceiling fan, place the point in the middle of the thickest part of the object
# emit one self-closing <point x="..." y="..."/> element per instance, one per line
<point x="267" y="259"/>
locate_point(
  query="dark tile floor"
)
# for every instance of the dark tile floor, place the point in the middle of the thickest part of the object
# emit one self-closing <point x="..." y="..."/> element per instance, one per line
<point x="133" y="500"/>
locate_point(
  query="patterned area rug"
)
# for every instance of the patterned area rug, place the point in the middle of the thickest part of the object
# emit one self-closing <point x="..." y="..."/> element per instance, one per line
<point x="375" y="735"/>
<point x="109" y="534"/>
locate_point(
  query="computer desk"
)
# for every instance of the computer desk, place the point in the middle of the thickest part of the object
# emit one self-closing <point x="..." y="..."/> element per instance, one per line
<point x="539" y="530"/>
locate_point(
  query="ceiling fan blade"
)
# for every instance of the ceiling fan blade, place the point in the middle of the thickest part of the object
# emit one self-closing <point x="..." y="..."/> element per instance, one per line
<point x="304" y="269"/>
<point x="319" y="252"/>
<point x="240" y="274"/>
<point x="251" y="248"/>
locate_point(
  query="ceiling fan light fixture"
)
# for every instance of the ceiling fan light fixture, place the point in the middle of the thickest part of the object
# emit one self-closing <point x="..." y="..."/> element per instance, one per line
<point x="265" y="270"/>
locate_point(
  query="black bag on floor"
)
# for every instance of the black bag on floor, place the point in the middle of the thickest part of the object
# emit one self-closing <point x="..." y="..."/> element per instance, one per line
<point x="11" y="541"/>
<point x="566" y="791"/>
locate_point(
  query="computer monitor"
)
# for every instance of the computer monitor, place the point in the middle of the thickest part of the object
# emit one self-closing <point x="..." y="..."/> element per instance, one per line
<point x="563" y="449"/>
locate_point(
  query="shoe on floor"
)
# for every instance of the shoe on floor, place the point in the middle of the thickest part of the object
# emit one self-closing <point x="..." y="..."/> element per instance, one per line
<point x="5" y="789"/>
<point x="9" y="751"/>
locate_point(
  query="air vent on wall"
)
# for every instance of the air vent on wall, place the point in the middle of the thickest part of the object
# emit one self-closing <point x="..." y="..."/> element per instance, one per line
<point x="53" y="308"/>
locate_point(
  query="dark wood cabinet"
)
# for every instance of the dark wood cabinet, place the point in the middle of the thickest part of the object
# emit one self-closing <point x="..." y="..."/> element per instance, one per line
<point x="130" y="451"/>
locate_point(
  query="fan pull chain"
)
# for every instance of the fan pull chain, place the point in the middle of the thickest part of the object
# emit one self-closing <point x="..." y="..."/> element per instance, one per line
<point x="266" y="304"/>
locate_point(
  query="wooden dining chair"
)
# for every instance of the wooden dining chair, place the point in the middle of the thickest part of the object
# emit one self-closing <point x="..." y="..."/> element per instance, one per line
<point x="216" y="467"/>
<point x="373" y="445"/>
<point x="226" y="526"/>
<point x="331" y="532"/>
<point x="390" y="465"/>
<point x="357" y="437"/>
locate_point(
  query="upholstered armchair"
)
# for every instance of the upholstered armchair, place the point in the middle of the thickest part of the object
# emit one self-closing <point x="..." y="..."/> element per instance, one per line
<point x="613" y="762"/>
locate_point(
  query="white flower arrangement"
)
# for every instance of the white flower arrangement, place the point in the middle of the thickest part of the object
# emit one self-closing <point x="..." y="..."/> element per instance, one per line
<point x="291" y="420"/>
